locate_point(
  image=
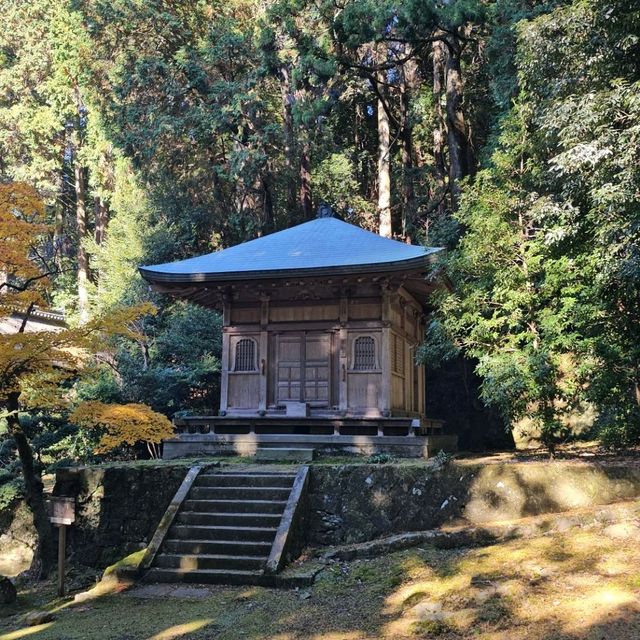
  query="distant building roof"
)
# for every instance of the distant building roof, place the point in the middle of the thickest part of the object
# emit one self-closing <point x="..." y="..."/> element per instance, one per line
<point x="39" y="320"/>
<point x="321" y="246"/>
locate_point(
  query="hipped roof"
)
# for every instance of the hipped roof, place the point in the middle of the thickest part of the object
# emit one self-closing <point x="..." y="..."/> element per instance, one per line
<point x="322" y="246"/>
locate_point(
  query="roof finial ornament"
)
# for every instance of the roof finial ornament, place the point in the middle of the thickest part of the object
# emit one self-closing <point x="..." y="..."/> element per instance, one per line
<point x="325" y="211"/>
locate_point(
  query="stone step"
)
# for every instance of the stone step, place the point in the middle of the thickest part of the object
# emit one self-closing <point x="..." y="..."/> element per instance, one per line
<point x="236" y="506"/>
<point x="240" y="493"/>
<point x="275" y="454"/>
<point x="194" y="532"/>
<point x="228" y="519"/>
<point x="226" y="576"/>
<point x="245" y="480"/>
<point x="199" y="561"/>
<point x="215" y="547"/>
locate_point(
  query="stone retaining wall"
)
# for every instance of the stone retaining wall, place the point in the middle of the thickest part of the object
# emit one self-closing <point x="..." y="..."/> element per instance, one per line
<point x="117" y="508"/>
<point x="356" y="503"/>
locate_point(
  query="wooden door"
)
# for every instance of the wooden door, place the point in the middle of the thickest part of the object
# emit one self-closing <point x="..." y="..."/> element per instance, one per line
<point x="302" y="368"/>
<point x="289" y="358"/>
<point x="316" y="369"/>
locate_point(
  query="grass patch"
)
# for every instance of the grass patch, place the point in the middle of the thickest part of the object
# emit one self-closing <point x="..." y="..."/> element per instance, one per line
<point x="494" y="610"/>
<point x="427" y="628"/>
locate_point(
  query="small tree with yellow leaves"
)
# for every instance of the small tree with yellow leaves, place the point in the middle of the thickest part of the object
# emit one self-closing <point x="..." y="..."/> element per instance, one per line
<point x="34" y="366"/>
<point x="124" y="424"/>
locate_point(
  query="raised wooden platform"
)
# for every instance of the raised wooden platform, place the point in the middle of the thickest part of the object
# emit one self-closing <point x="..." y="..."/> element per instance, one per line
<point x="403" y="437"/>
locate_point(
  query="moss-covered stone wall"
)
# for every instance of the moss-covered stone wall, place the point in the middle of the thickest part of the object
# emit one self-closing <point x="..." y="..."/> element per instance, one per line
<point x="117" y="508"/>
<point x="355" y="503"/>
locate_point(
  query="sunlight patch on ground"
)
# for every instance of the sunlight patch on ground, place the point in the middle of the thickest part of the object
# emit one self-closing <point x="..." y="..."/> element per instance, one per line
<point x="24" y="633"/>
<point x="109" y="585"/>
<point x="433" y="587"/>
<point x="588" y="609"/>
<point x="181" y="629"/>
<point x="571" y="580"/>
<point x="567" y="493"/>
<point x="339" y="635"/>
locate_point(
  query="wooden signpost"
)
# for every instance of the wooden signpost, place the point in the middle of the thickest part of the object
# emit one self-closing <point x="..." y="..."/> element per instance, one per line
<point x="62" y="513"/>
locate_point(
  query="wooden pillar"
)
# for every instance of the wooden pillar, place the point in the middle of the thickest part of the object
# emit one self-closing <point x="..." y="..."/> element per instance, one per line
<point x="263" y="364"/>
<point x="408" y="366"/>
<point x="385" y="355"/>
<point x="62" y="556"/>
<point x="343" y="358"/>
<point x="224" y="376"/>
<point x="421" y="373"/>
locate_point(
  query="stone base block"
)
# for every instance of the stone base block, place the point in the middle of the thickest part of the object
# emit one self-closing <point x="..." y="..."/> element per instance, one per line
<point x="274" y="454"/>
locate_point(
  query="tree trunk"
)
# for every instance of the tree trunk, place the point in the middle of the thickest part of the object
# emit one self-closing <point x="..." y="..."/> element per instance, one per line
<point x="32" y="482"/>
<point x="267" y="207"/>
<point x="288" y="137"/>
<point x="306" y="201"/>
<point x="409" y="79"/>
<point x="384" y="169"/>
<point x="83" y="260"/>
<point x="456" y="129"/>
<point x="58" y="226"/>
<point x="102" y="219"/>
<point x="33" y="489"/>
<point x="439" y="129"/>
<point x="359" y="143"/>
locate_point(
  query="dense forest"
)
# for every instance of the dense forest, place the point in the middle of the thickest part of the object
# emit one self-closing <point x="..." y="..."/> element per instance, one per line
<point x="507" y="131"/>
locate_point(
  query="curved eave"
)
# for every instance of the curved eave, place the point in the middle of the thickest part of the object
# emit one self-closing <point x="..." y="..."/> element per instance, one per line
<point x="421" y="262"/>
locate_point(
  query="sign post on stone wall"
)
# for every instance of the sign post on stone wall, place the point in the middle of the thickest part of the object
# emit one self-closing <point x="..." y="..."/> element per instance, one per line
<point x="62" y="513"/>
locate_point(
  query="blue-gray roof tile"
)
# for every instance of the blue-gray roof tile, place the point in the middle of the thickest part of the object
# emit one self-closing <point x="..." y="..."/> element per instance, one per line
<point x="323" y="245"/>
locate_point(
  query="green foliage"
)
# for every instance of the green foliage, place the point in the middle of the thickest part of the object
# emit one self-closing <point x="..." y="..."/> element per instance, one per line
<point x="335" y="182"/>
<point x="191" y="124"/>
<point x="175" y="368"/>
<point x="547" y="275"/>
<point x="381" y="458"/>
<point x="618" y="425"/>
<point x="11" y="489"/>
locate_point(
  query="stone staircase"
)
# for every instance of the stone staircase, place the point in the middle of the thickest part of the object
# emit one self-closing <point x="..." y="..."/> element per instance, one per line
<point x="224" y="530"/>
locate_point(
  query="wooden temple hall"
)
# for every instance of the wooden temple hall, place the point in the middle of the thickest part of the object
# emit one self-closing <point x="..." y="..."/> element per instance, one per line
<point x="320" y="328"/>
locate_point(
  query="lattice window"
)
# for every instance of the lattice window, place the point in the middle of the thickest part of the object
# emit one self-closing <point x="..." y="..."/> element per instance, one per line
<point x="245" y="355"/>
<point x="397" y="354"/>
<point x="364" y="353"/>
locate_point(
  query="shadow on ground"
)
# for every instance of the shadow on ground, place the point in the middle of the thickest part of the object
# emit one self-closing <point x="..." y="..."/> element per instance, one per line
<point x="581" y="583"/>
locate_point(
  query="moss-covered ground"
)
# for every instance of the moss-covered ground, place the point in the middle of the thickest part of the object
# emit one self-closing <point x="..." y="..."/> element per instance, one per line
<point x="577" y="452"/>
<point x="579" y="583"/>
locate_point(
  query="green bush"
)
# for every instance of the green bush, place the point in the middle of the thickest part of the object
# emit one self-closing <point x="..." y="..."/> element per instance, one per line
<point x="381" y="458"/>
<point x="10" y="491"/>
<point x="618" y="427"/>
